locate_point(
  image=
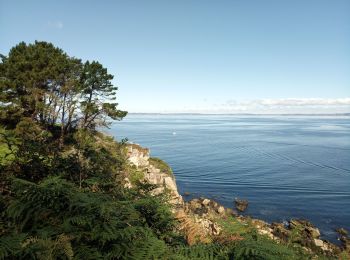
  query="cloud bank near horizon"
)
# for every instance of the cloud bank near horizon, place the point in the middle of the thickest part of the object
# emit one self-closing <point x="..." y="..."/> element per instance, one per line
<point x="267" y="106"/>
<point x="288" y="105"/>
<point x="301" y="102"/>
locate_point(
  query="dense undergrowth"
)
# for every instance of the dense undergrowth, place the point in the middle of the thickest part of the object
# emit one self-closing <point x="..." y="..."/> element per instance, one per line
<point x="61" y="181"/>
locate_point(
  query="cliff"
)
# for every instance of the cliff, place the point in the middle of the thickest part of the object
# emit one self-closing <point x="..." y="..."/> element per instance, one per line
<point x="140" y="158"/>
<point x="197" y="227"/>
<point x="204" y="220"/>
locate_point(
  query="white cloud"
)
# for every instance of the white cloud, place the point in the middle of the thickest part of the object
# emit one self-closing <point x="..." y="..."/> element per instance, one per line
<point x="286" y="105"/>
<point x="258" y="106"/>
<point x="305" y="102"/>
<point x="55" y="24"/>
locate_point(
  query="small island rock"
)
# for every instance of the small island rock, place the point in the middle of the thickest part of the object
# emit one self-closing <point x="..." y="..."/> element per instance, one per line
<point x="241" y="205"/>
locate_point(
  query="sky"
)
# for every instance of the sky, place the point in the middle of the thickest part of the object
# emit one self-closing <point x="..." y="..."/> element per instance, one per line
<point x="198" y="56"/>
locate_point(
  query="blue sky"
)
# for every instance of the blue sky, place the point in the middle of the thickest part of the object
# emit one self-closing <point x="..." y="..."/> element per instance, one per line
<point x="202" y="56"/>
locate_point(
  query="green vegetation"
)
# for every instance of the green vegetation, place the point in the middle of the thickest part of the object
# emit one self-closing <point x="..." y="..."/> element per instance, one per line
<point x="160" y="164"/>
<point x="62" y="194"/>
<point x="251" y="245"/>
<point x="232" y="226"/>
<point x="135" y="175"/>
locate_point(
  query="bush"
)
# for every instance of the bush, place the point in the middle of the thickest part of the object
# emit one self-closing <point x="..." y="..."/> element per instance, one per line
<point x="160" y="164"/>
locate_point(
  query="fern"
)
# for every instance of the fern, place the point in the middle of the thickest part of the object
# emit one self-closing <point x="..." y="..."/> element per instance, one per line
<point x="46" y="248"/>
<point x="10" y="245"/>
<point x="264" y="249"/>
<point x="199" y="252"/>
<point x="193" y="231"/>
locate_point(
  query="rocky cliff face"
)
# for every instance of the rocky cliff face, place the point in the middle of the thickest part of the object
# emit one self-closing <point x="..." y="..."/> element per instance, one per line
<point x="199" y="218"/>
<point x="140" y="157"/>
<point x="196" y="224"/>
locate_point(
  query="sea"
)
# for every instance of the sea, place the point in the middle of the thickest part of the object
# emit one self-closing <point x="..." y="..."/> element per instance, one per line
<point x="285" y="166"/>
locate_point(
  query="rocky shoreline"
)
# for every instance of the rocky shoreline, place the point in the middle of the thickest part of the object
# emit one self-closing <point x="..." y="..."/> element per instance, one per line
<point x="205" y="220"/>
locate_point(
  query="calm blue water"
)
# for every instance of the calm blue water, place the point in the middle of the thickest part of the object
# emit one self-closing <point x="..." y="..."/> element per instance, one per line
<point x="286" y="166"/>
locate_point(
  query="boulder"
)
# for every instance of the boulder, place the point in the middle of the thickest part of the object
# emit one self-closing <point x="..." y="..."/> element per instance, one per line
<point x="205" y="202"/>
<point x="220" y="210"/>
<point x="318" y="242"/>
<point x="213" y="204"/>
<point x="280" y="231"/>
<point x="194" y="204"/>
<point x="258" y="223"/>
<point x="342" y="231"/>
<point x="241" y="205"/>
<point x="305" y="227"/>
<point x="266" y="232"/>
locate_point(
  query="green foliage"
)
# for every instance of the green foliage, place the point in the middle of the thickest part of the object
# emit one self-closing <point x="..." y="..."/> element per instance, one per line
<point x="28" y="73"/>
<point x="6" y="156"/>
<point x="135" y="175"/>
<point x="156" y="215"/>
<point x="344" y="255"/>
<point x="59" y="219"/>
<point x="61" y="181"/>
<point x="200" y="252"/>
<point x="10" y="245"/>
<point x="98" y="95"/>
<point x="29" y="152"/>
<point x="160" y="164"/>
<point x="41" y="82"/>
<point x="232" y="226"/>
<point x="47" y="248"/>
<point x="258" y="247"/>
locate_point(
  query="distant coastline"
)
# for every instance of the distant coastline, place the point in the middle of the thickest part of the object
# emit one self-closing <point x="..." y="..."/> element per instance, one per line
<point x="239" y="114"/>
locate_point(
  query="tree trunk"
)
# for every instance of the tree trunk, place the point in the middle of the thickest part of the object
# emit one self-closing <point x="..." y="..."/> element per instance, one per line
<point x="87" y="113"/>
<point x="62" y="122"/>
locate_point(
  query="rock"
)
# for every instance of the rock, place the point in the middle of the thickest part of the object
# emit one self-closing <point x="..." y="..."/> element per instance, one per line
<point x="241" y="205"/>
<point x="127" y="183"/>
<point x="345" y="242"/>
<point x="318" y="242"/>
<point x="138" y="155"/>
<point x="305" y="226"/>
<point x="186" y="193"/>
<point x="215" y="229"/>
<point x="342" y="231"/>
<point x="314" y="232"/>
<point x="231" y="212"/>
<point x="206" y="202"/>
<point x="213" y="204"/>
<point x="266" y="232"/>
<point x="194" y="204"/>
<point x="329" y="247"/>
<point x="201" y="211"/>
<point x="169" y="183"/>
<point x="295" y="223"/>
<point x="280" y="231"/>
<point x="220" y="210"/>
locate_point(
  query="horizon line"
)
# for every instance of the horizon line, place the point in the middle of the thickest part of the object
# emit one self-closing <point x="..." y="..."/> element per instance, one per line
<point x="246" y="114"/>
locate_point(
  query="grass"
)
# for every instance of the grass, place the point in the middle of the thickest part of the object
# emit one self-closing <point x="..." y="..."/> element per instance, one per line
<point x="232" y="225"/>
<point x="161" y="165"/>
